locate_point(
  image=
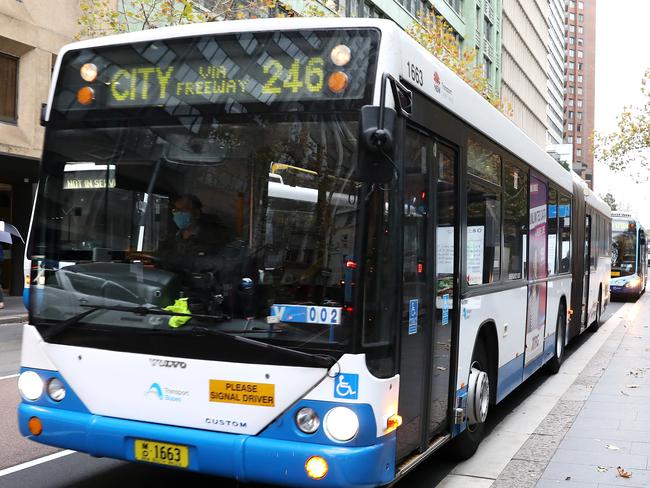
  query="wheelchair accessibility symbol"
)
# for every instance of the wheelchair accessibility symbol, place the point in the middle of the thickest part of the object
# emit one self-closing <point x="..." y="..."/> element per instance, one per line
<point x="346" y="385"/>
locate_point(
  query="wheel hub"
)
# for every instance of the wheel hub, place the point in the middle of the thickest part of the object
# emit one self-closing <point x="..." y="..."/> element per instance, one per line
<point x="478" y="396"/>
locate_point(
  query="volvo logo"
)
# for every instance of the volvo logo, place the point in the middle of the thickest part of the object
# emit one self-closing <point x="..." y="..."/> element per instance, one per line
<point x="166" y="363"/>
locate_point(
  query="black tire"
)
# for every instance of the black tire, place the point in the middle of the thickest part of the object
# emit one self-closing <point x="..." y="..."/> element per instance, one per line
<point x="553" y="365"/>
<point x="596" y="324"/>
<point x="465" y="445"/>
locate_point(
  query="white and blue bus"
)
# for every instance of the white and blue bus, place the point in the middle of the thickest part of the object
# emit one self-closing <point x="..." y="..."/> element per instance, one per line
<point x="366" y="256"/>
<point x="629" y="256"/>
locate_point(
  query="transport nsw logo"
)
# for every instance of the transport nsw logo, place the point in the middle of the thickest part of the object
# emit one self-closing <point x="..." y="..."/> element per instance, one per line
<point x="258" y="394"/>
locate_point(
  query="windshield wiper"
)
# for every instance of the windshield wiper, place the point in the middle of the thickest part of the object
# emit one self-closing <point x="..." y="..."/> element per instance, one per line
<point x="55" y="330"/>
<point x="318" y="359"/>
<point x="324" y="360"/>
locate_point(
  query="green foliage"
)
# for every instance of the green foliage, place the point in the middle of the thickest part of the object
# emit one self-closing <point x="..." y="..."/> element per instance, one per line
<point x="628" y="148"/>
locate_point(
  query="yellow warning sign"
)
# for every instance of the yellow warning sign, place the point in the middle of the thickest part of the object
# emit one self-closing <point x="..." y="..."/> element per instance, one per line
<point x="259" y="394"/>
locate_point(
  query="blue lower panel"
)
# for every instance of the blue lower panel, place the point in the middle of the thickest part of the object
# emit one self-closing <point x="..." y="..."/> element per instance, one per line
<point x="245" y="458"/>
<point x="511" y="375"/>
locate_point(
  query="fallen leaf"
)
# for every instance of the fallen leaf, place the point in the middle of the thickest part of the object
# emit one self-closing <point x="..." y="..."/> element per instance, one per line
<point x="622" y="473"/>
<point x="613" y="447"/>
<point x="602" y="469"/>
<point x="567" y="478"/>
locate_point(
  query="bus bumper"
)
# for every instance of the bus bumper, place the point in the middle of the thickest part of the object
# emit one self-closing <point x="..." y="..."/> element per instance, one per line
<point x="242" y="457"/>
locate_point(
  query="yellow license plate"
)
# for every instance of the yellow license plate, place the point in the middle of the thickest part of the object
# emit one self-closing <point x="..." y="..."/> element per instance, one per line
<point x="162" y="453"/>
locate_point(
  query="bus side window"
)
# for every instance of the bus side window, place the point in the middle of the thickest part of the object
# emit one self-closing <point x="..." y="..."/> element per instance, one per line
<point x="515" y="222"/>
<point x="552" y="216"/>
<point x="483" y="243"/>
<point x="564" y="213"/>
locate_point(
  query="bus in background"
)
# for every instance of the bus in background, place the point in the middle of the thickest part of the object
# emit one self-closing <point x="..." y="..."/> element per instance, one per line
<point x="629" y="256"/>
<point x="279" y="251"/>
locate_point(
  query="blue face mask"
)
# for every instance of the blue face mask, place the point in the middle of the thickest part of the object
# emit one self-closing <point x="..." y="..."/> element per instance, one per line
<point x="182" y="219"/>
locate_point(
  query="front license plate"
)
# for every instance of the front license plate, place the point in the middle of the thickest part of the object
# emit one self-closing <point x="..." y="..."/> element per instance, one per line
<point x="162" y="453"/>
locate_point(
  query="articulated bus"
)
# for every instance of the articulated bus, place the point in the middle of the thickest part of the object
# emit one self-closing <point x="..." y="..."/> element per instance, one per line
<point x="365" y="259"/>
<point x="629" y="256"/>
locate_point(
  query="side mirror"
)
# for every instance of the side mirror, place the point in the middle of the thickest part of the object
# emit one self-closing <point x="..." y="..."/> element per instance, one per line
<point x="376" y="144"/>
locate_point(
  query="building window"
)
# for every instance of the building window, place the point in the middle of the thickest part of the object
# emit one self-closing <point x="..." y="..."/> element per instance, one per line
<point x="571" y="90"/>
<point x="487" y="29"/>
<point x="9" y="84"/>
<point x="569" y="126"/>
<point x="572" y="4"/>
<point x="578" y="152"/>
<point x="581" y="5"/>
<point x="579" y="103"/>
<point x="579" y="128"/>
<point x="572" y="52"/>
<point x="580" y="115"/>
<point x="579" y="66"/>
<point x="572" y="28"/>
<point x="572" y="16"/>
<point x="571" y="65"/>
<point x="487" y="67"/>
<point x="579" y="78"/>
<point x="579" y="91"/>
<point x="570" y="114"/>
<point x="580" y="42"/>
<point x="455" y="4"/>
<point x="570" y="102"/>
<point x="580" y="29"/>
<point x="581" y="18"/>
<point x="580" y="53"/>
<point x="572" y="78"/>
<point x="569" y="139"/>
<point x="572" y="40"/>
<point x="579" y="140"/>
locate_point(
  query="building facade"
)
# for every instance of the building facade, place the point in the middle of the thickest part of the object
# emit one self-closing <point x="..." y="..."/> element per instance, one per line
<point x="580" y="70"/>
<point x="524" y="65"/>
<point x="555" y="47"/>
<point x="32" y="32"/>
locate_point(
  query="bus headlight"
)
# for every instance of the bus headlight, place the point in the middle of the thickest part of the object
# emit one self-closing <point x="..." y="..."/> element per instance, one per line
<point x="341" y="424"/>
<point x="307" y="420"/>
<point x="30" y="385"/>
<point x="56" y="390"/>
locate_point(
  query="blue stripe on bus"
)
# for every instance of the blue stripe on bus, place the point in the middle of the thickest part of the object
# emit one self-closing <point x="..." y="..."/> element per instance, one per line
<point x="510" y="377"/>
<point x="70" y="402"/>
<point x="549" y="347"/>
<point x="533" y="366"/>
<point x="242" y="457"/>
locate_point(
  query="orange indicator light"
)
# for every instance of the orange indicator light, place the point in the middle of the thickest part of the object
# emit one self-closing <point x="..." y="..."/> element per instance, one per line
<point x="316" y="467"/>
<point x="394" y="421"/>
<point x="337" y="82"/>
<point x="85" y="95"/>
<point x="35" y="426"/>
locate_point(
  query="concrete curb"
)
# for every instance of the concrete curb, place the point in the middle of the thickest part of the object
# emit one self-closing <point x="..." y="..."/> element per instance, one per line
<point x="13" y="319"/>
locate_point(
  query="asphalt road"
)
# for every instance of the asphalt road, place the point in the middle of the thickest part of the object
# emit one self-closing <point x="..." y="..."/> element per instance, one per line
<point x="76" y="470"/>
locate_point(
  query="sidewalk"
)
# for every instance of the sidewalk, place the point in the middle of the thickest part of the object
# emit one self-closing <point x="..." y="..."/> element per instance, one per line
<point x="600" y="424"/>
<point x="14" y="311"/>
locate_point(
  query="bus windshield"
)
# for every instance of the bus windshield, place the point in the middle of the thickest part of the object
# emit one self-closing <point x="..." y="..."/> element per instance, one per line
<point x="624" y="248"/>
<point x="198" y="215"/>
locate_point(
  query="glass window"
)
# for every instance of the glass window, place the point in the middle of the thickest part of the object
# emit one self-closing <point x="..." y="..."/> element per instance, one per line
<point x="564" y="215"/>
<point x="483" y="163"/>
<point x="552" y="231"/>
<point x="515" y="222"/>
<point x="9" y="84"/>
<point x="483" y="240"/>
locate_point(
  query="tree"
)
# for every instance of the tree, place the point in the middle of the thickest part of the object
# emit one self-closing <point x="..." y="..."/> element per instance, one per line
<point x="628" y="148"/>
<point x="439" y="38"/>
<point x="609" y="200"/>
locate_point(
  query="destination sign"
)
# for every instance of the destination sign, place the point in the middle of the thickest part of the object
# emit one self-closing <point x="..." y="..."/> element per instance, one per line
<point x="233" y="69"/>
<point x="622" y="225"/>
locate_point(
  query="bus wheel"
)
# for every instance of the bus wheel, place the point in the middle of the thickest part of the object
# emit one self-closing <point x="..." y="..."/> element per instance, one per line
<point x="596" y="325"/>
<point x="553" y="366"/>
<point x="478" y="403"/>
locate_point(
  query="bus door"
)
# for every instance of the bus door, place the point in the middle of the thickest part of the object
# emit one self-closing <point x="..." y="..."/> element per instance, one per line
<point x="585" y="286"/>
<point x="537" y="270"/>
<point x="428" y="289"/>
